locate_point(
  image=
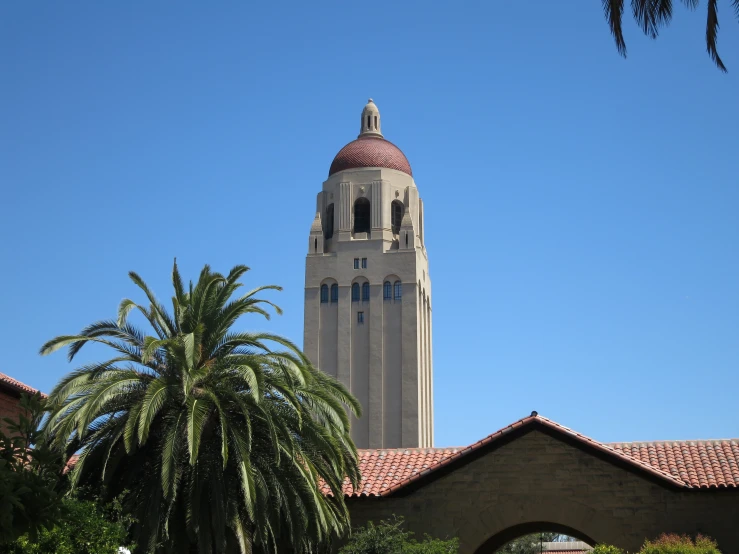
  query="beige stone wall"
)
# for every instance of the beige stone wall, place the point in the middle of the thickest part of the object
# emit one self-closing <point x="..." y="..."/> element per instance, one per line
<point x="386" y="362"/>
<point x="539" y="478"/>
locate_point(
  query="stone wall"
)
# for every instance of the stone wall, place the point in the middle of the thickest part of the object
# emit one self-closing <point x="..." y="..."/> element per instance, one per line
<point x="540" y="481"/>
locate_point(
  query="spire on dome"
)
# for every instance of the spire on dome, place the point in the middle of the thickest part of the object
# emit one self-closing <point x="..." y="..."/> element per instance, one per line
<point x="370" y="125"/>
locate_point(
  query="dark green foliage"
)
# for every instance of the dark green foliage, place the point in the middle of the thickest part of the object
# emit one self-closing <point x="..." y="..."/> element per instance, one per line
<point x="668" y="544"/>
<point x="389" y="537"/>
<point x="652" y="15"/>
<point x="29" y="475"/>
<point x="84" y="528"/>
<point x="223" y="438"/>
<point x="680" y="544"/>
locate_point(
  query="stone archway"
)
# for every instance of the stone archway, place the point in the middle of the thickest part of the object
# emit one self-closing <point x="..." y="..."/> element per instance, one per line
<point x="506" y="535"/>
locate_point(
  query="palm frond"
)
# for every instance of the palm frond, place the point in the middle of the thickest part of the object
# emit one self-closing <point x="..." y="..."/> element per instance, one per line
<point x="614" y="11"/>
<point x="712" y="34"/>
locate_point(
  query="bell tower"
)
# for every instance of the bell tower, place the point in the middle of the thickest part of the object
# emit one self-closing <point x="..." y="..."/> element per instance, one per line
<point x="368" y="290"/>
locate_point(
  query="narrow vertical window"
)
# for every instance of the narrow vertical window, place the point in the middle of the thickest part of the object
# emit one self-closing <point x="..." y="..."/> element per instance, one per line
<point x="406" y="240"/>
<point x="324" y="294"/>
<point x="375" y="122"/>
<point x="362" y="216"/>
<point x="315" y="245"/>
<point x="369" y="122"/>
<point x="397" y="209"/>
<point x="329" y="223"/>
<point x="364" y="263"/>
<point x="360" y="317"/>
<point x="398" y="290"/>
<point x="365" y="292"/>
<point x="355" y="292"/>
<point x="334" y="293"/>
<point x="387" y="290"/>
<point x="356" y="263"/>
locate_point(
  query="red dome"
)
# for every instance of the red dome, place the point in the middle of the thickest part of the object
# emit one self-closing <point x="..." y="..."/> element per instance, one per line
<point x="370" y="152"/>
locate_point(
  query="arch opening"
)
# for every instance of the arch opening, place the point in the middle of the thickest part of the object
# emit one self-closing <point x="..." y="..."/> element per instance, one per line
<point x="397" y="210"/>
<point x="503" y="541"/>
<point x="329" y="223"/>
<point x="362" y="215"/>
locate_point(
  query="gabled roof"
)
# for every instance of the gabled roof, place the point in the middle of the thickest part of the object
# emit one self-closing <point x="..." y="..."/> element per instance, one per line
<point x="679" y="464"/>
<point x="8" y="382"/>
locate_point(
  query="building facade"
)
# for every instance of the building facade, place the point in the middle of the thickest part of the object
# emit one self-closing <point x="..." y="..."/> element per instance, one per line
<point x="368" y="290"/>
<point x="536" y="475"/>
<point x="10" y="398"/>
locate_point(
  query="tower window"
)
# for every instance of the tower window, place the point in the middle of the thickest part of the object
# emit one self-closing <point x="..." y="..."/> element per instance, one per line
<point x="364" y="263"/>
<point x="360" y="317"/>
<point x="334" y="293"/>
<point x="375" y="122"/>
<point x="355" y="292"/>
<point x="315" y="245"/>
<point x="356" y="263"/>
<point x="398" y="286"/>
<point x="324" y="294"/>
<point x="329" y="226"/>
<point x="387" y="290"/>
<point x="369" y="122"/>
<point x="397" y="210"/>
<point x="362" y="216"/>
<point x="365" y="292"/>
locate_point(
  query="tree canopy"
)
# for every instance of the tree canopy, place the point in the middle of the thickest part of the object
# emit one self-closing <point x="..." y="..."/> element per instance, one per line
<point x="224" y="440"/>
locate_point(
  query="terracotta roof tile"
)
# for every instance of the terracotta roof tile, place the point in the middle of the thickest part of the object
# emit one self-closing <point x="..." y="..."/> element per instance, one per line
<point x="17" y="385"/>
<point x="686" y="464"/>
<point x="383" y="468"/>
<point x="370" y="152"/>
<point x="698" y="463"/>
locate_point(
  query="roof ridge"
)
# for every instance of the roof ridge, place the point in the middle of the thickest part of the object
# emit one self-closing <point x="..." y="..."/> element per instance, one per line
<point x="18" y="385"/>
<point x="535" y="417"/>
<point x="413" y="448"/>
<point x="673" y="441"/>
<point x="648" y="467"/>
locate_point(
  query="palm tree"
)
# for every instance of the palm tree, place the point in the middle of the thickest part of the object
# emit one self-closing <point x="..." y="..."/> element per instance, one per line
<point x="218" y="441"/>
<point x="651" y="15"/>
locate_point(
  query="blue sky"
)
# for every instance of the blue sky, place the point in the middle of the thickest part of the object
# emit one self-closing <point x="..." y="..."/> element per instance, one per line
<point x="581" y="209"/>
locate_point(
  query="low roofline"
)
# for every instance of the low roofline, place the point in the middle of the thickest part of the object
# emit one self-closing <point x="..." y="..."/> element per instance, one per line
<point x="524" y="426"/>
<point x="8" y="382"/>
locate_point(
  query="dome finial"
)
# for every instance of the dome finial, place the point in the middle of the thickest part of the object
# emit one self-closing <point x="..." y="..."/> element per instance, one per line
<point x="370" y="125"/>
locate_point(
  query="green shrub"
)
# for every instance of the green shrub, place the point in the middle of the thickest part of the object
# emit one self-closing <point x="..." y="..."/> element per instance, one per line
<point x="389" y="537"/>
<point x="84" y="528"/>
<point x="606" y="549"/>
<point x="680" y="544"/>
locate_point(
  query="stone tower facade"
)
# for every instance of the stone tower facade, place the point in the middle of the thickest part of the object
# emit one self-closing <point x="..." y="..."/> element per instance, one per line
<point x="368" y="290"/>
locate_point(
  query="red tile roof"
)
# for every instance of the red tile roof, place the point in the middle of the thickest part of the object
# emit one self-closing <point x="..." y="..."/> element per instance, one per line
<point x="370" y="152"/>
<point x="8" y="381"/>
<point x="700" y="463"/>
<point x="684" y="464"/>
<point x="382" y="469"/>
